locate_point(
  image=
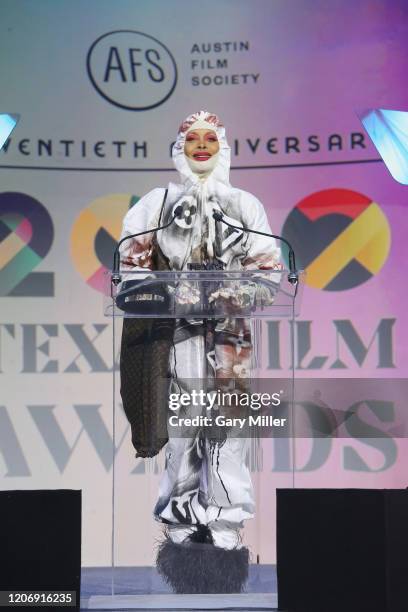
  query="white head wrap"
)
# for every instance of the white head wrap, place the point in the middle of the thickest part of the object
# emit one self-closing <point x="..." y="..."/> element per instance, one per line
<point x="198" y="197"/>
<point x="220" y="165"/>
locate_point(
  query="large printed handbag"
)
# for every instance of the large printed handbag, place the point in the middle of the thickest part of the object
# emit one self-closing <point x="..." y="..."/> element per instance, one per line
<point x="145" y="381"/>
<point x="145" y="374"/>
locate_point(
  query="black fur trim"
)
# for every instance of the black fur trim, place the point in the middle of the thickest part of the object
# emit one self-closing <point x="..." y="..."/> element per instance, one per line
<point x="201" y="567"/>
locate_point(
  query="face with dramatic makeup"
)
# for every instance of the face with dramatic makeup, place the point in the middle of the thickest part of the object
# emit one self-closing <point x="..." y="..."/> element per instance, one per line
<point x="201" y="144"/>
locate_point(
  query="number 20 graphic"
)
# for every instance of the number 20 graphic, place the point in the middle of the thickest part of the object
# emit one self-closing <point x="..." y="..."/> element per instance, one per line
<point x="26" y="236"/>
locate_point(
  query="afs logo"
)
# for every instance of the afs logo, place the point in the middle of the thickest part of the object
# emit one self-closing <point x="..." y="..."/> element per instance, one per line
<point x="131" y="70"/>
<point x="340" y="237"/>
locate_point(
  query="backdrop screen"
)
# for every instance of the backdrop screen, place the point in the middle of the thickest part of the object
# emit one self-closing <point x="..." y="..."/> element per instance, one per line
<point x="101" y="88"/>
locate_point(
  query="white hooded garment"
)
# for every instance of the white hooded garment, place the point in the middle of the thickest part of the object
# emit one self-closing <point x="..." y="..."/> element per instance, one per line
<point x="202" y="482"/>
<point x="196" y="237"/>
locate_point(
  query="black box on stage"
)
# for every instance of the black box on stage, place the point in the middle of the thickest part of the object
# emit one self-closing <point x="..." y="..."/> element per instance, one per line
<point x="342" y="549"/>
<point x="40" y="537"/>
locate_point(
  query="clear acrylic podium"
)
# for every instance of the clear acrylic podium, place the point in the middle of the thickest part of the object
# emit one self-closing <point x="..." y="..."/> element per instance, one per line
<point x="259" y="297"/>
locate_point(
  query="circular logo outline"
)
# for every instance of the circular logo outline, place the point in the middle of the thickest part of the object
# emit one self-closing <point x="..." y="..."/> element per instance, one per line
<point x="118" y="104"/>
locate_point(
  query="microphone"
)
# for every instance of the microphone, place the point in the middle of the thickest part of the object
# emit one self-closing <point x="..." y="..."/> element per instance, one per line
<point x="293" y="276"/>
<point x="116" y="277"/>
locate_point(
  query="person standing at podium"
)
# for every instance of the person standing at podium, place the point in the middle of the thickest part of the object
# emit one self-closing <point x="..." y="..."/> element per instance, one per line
<point x="205" y="493"/>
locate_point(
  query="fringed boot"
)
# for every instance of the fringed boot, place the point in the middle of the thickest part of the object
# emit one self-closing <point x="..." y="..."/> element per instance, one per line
<point x="196" y="565"/>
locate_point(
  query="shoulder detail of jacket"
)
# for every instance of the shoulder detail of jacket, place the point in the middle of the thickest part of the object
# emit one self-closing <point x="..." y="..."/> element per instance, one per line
<point x="144" y="213"/>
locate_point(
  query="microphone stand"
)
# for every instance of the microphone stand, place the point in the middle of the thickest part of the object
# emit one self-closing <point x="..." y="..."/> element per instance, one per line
<point x="293" y="276"/>
<point x="116" y="276"/>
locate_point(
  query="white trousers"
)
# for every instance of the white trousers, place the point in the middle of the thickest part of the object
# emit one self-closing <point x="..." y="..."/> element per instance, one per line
<point x="203" y="483"/>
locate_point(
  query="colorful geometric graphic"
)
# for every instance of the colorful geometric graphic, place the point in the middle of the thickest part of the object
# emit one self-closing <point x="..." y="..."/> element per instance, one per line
<point x="340" y="237"/>
<point x="95" y="234"/>
<point x="26" y="235"/>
